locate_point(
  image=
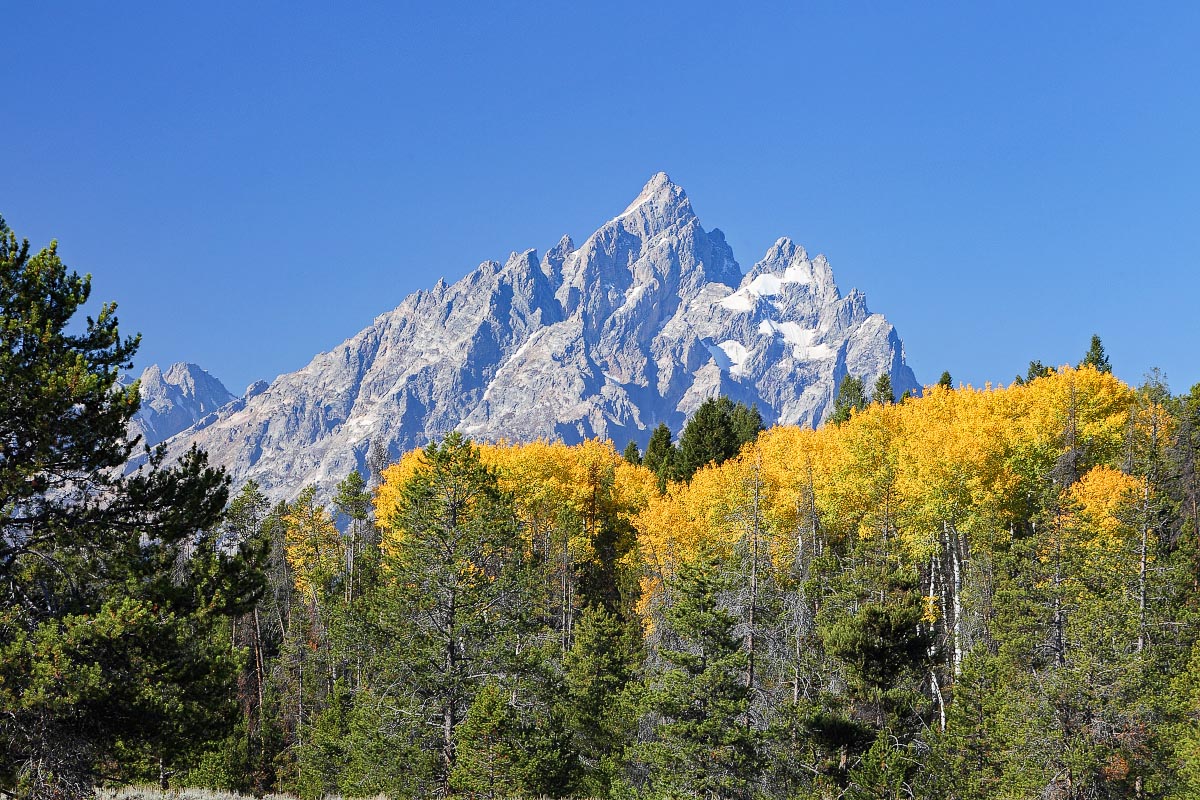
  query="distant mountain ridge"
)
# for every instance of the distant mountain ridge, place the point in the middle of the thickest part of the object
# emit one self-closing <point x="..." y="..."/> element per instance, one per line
<point x="175" y="400"/>
<point x="639" y="324"/>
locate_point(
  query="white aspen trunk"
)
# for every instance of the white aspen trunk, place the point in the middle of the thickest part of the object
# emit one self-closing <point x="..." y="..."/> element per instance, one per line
<point x="956" y="564"/>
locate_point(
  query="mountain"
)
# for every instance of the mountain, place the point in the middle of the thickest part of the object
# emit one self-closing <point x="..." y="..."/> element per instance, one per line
<point x="637" y="325"/>
<point x="175" y="400"/>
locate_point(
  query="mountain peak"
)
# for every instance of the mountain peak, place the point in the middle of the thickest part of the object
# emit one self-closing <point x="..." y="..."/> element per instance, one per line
<point x="660" y="193"/>
<point x="175" y="400"/>
<point x="642" y="322"/>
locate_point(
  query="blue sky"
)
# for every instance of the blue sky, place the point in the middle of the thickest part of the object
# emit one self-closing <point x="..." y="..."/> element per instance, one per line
<point x="253" y="185"/>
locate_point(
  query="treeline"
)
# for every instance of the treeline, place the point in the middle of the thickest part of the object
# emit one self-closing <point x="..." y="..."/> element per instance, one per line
<point x="971" y="594"/>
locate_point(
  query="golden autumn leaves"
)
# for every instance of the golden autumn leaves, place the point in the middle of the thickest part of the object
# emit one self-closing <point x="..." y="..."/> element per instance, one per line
<point x="966" y="459"/>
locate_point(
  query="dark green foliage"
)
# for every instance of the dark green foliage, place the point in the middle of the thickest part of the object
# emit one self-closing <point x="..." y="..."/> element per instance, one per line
<point x="604" y="658"/>
<point x="747" y="422"/>
<point x="1036" y="370"/>
<point x="489" y="748"/>
<point x="870" y="627"/>
<point x="708" y="437"/>
<point x="632" y="454"/>
<point x="661" y="455"/>
<point x="883" y="392"/>
<point x="1096" y="357"/>
<point x="946" y="382"/>
<point x="504" y="751"/>
<point x="324" y="758"/>
<point x="454" y="598"/>
<point x="115" y="588"/>
<point x="884" y="771"/>
<point x="703" y="744"/>
<point x="851" y="397"/>
<point x="715" y="433"/>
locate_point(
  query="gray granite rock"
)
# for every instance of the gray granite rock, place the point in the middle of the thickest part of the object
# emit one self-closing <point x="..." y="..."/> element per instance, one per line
<point x="175" y="400"/>
<point x="637" y="325"/>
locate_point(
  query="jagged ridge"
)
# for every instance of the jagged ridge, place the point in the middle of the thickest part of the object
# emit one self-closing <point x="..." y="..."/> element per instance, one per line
<point x="638" y="325"/>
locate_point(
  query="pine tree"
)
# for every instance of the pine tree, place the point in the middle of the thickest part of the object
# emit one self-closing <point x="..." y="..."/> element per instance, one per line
<point x="1096" y="357"/>
<point x="946" y="382"/>
<point x="1036" y="370"/>
<point x="602" y="661"/>
<point x="747" y="423"/>
<point x="708" y="437"/>
<point x="454" y="600"/>
<point x="851" y="397"/>
<point x="661" y="455"/>
<point x="703" y="745"/>
<point x="871" y="627"/>
<point x="883" y="393"/>
<point x="116" y="588"/>
<point x="488" y="748"/>
<point x="632" y="454"/>
<point x="324" y="756"/>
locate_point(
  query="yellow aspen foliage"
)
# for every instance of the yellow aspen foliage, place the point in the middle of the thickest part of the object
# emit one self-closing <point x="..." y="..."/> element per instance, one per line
<point x="955" y="462"/>
<point x="1099" y="508"/>
<point x="798" y="467"/>
<point x="312" y="544"/>
<point x="953" y="469"/>
<point x="591" y="480"/>
<point x="946" y="473"/>
<point x="387" y="494"/>
<point x="1091" y="406"/>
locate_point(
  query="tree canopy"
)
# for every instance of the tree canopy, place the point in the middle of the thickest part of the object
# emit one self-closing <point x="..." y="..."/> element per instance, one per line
<point x="113" y="585"/>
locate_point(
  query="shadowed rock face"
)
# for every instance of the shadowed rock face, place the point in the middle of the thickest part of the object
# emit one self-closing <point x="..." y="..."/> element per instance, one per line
<point x="175" y="400"/>
<point x="637" y="325"/>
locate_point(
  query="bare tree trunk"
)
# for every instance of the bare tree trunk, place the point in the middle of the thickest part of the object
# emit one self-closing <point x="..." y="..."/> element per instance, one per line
<point x="956" y="567"/>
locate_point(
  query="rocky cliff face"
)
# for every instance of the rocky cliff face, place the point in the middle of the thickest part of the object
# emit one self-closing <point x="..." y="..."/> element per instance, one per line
<point x="175" y="400"/>
<point x="638" y="325"/>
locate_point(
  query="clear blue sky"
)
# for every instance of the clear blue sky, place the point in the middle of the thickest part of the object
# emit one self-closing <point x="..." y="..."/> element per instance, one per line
<point x="253" y="185"/>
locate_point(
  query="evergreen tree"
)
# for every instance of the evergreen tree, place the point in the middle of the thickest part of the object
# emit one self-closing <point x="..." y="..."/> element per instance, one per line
<point x="1096" y="357"/>
<point x="115" y="587"/>
<point x="632" y="454"/>
<point x="708" y="437"/>
<point x="871" y="627"/>
<point x="1036" y="370"/>
<point x="946" y="382"/>
<point x="353" y="503"/>
<point x="453" y="603"/>
<point x="597" y="670"/>
<point x="747" y="423"/>
<point x="489" y="748"/>
<point x="661" y="455"/>
<point x="703" y="745"/>
<point x="323" y="758"/>
<point x="851" y="396"/>
<point x="883" y="392"/>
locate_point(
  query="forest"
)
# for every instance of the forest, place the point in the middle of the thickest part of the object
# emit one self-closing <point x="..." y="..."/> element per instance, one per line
<point x="973" y="593"/>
